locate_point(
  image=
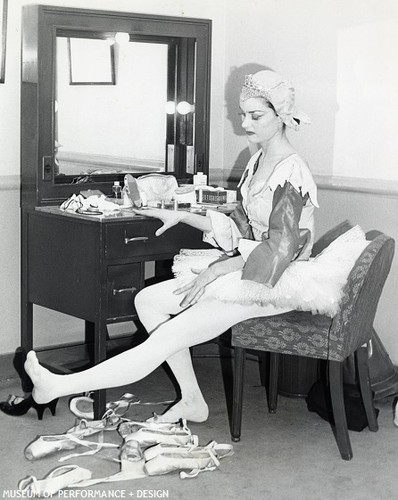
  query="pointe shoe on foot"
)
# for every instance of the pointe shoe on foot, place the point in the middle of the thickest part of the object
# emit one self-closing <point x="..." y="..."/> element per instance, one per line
<point x="17" y="406"/>
<point x="396" y="413"/>
<point x="163" y="459"/>
<point x="59" y="478"/>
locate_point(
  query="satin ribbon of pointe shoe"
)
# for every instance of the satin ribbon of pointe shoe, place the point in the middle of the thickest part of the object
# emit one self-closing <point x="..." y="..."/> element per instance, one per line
<point x="131" y="466"/>
<point x="61" y="477"/>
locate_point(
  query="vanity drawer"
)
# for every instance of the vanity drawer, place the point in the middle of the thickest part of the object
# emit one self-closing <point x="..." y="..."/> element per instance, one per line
<point x="123" y="283"/>
<point x="138" y="240"/>
<point x="133" y="240"/>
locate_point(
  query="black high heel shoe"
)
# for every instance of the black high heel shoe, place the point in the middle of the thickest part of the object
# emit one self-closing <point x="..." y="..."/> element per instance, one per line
<point x="17" y="409"/>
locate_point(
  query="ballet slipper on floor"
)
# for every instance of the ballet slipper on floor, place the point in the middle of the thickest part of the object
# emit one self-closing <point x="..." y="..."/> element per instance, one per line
<point x="132" y="464"/>
<point x="47" y="445"/>
<point x="62" y="477"/>
<point x="130" y="426"/>
<point x="162" y="459"/>
<point x="159" y="449"/>
<point x="109" y="422"/>
<point x="43" y="446"/>
<point x="149" y="435"/>
<point x="83" y="406"/>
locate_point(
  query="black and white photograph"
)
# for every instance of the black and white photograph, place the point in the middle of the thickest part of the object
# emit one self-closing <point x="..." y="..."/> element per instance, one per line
<point x="199" y="215"/>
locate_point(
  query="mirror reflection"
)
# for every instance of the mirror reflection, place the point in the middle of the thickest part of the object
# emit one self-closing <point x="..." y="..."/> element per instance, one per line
<point x="110" y="106"/>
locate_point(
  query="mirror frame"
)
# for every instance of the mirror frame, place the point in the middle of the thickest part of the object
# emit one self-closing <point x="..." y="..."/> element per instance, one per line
<point x="40" y="26"/>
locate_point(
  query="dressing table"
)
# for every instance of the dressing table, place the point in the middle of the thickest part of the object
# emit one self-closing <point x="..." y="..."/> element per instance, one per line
<point x="91" y="266"/>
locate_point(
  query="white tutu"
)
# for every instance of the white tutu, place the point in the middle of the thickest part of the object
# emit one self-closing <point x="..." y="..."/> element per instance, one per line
<point x="315" y="285"/>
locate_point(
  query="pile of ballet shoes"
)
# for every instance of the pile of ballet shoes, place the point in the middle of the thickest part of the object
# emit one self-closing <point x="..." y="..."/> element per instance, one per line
<point x="148" y="449"/>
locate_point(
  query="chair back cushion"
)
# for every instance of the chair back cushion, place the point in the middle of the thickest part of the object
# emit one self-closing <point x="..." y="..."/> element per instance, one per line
<point x="353" y="324"/>
<point x="327" y="238"/>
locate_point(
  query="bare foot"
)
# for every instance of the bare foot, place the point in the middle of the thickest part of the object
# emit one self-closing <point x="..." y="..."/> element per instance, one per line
<point x="192" y="410"/>
<point x="45" y="383"/>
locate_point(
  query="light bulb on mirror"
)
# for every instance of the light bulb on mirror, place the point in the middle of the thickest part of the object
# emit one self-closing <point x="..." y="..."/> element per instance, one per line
<point x="121" y="37"/>
<point x="184" y="108"/>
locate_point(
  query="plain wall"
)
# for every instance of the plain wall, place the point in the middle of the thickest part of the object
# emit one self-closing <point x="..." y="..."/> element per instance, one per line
<point x="303" y="40"/>
<point x="341" y="57"/>
<point x="370" y="211"/>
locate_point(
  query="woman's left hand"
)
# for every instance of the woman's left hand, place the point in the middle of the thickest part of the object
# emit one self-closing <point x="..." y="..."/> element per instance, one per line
<point x="196" y="287"/>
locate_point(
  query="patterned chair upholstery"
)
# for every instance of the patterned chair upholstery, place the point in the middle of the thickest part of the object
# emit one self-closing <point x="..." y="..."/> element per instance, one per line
<point x="321" y="337"/>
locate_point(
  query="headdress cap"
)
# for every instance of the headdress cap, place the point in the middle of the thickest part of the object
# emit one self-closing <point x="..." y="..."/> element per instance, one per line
<point x="278" y="91"/>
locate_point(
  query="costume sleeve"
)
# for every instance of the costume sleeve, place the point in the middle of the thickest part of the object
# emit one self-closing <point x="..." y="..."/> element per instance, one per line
<point x="267" y="261"/>
<point x="224" y="232"/>
<point x="241" y="220"/>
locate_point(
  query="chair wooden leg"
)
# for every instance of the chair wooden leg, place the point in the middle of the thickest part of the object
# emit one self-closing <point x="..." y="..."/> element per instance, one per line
<point x="236" y="421"/>
<point x="366" y="390"/>
<point x="273" y="382"/>
<point x="339" y="414"/>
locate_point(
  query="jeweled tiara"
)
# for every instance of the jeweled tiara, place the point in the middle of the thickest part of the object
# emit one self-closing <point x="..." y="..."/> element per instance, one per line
<point x="252" y="88"/>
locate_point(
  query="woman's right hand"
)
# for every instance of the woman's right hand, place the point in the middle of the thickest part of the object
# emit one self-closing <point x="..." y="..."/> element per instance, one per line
<point x="169" y="218"/>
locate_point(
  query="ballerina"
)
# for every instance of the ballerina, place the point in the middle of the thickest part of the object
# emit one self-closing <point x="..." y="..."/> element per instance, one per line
<point x="272" y="226"/>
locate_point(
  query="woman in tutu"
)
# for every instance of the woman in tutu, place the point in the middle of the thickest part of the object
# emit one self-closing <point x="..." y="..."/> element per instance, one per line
<point x="272" y="226"/>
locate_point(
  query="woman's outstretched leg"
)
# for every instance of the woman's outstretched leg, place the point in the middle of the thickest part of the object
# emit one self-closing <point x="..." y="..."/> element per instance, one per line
<point x="197" y="324"/>
<point x="176" y="334"/>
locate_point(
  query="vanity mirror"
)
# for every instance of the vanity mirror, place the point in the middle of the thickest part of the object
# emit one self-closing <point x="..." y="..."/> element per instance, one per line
<point x="107" y="93"/>
<point x="111" y="107"/>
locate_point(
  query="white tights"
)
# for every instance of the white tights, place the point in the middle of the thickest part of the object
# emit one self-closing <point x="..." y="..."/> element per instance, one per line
<point x="172" y="331"/>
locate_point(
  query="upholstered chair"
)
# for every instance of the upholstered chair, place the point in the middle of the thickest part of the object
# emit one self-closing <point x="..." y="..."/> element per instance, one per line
<point x="333" y="339"/>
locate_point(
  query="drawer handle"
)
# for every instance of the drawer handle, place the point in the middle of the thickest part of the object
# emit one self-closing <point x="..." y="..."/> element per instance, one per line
<point x="135" y="238"/>
<point x="116" y="291"/>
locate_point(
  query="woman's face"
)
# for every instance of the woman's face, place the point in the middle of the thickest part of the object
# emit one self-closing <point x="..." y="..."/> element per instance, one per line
<point x="259" y="120"/>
